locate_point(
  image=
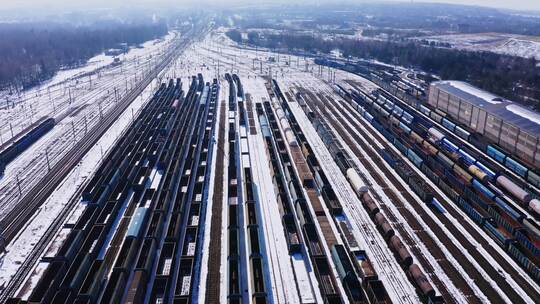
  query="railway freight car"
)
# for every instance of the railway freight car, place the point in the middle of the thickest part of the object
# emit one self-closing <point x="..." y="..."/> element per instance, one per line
<point x="10" y="151"/>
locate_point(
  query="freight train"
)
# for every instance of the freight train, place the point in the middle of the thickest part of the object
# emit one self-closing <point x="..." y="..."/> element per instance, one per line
<point x="18" y="145"/>
<point x="306" y="222"/>
<point x="517" y="234"/>
<point x="252" y="228"/>
<point x="115" y="237"/>
<point x="426" y="290"/>
<point x="474" y="166"/>
<point x="530" y="175"/>
<point x="402" y="253"/>
<point x="353" y="274"/>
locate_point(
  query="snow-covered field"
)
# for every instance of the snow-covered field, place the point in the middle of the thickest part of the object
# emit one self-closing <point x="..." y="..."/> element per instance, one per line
<point x="516" y="45"/>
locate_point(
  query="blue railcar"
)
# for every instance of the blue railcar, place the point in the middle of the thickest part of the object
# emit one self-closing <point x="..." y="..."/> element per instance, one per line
<point x="418" y="150"/>
<point x="498" y="236"/>
<point x="483" y="189"/>
<point x="137" y="221"/>
<point x="467" y="158"/>
<point x="492" y="175"/>
<point x="425" y="110"/>
<point x="360" y="110"/>
<point x="388" y="157"/>
<point x="524" y="261"/>
<point x="462" y="133"/>
<point x="435" y="203"/>
<point x="266" y="131"/>
<point x="397" y="112"/>
<point x="21" y="144"/>
<point x="405" y="128"/>
<point x="453" y="180"/>
<point x="400" y="146"/>
<point x="509" y="210"/>
<point x="381" y="100"/>
<point x="475" y="215"/>
<point x="496" y="154"/>
<point x="412" y="156"/>
<point x="388" y="105"/>
<point x="449" y="145"/>
<point x="377" y="108"/>
<point x="525" y="242"/>
<point x="341" y="259"/>
<point x="448" y="124"/>
<point x="388" y="135"/>
<point x="368" y="116"/>
<point x="407" y="118"/>
<point x="377" y="125"/>
<point x="516" y="167"/>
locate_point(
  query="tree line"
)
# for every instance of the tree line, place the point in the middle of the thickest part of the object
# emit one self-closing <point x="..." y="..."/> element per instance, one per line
<point x="34" y="52"/>
<point x="512" y="77"/>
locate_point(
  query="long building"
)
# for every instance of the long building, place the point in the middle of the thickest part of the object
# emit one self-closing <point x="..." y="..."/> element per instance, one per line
<point x="512" y="127"/>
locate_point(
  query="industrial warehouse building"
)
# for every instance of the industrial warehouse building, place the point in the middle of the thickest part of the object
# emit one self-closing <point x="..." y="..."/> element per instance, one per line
<point x="512" y="127"/>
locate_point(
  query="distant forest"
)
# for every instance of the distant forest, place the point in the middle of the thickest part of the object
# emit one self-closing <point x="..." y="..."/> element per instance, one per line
<point x="34" y="52"/>
<point x="512" y="77"/>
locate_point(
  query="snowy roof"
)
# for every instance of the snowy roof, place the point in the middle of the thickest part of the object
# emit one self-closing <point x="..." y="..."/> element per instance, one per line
<point x="510" y="112"/>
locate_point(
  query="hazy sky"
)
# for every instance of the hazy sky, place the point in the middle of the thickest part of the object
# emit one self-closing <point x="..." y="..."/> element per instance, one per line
<point x="511" y="4"/>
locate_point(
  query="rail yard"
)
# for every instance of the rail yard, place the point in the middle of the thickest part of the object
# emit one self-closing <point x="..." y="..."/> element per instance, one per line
<point x="249" y="176"/>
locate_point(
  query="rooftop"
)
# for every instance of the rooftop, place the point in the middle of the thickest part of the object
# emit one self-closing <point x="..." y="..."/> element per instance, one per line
<point x="512" y="113"/>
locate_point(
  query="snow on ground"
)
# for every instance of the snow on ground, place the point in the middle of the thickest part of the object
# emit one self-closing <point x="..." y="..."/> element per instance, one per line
<point x="509" y="44"/>
<point x="84" y="85"/>
<point x="229" y="59"/>
<point x="277" y="257"/>
<point x="27" y="238"/>
<point x="88" y="100"/>
<point x="224" y="55"/>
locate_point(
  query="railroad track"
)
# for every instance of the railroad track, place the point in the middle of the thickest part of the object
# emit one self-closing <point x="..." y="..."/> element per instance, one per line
<point x="60" y="96"/>
<point x="13" y="223"/>
<point x="468" y="266"/>
<point x="214" y="255"/>
<point x="386" y="261"/>
<point x="529" y="289"/>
